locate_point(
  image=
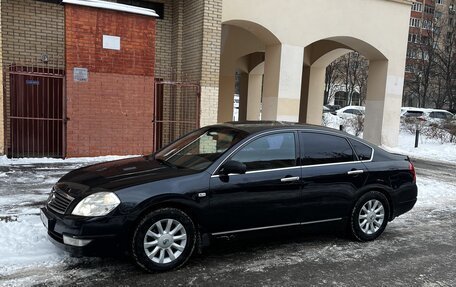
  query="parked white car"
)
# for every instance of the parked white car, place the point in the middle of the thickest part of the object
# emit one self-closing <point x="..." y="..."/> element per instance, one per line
<point x="431" y="115"/>
<point x="349" y="112"/>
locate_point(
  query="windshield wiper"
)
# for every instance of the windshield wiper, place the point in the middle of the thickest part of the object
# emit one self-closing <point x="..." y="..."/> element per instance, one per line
<point x="164" y="162"/>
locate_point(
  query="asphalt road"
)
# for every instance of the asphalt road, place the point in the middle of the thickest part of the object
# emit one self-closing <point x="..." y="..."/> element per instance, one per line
<point x="417" y="249"/>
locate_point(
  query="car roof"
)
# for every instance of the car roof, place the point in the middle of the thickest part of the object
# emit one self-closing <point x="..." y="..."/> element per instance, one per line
<point x="252" y="127"/>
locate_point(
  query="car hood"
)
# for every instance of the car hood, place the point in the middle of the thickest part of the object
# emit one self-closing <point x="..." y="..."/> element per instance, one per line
<point x="117" y="174"/>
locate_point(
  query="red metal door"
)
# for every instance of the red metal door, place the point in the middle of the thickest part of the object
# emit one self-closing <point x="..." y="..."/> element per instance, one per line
<point x="37" y="113"/>
<point x="177" y="110"/>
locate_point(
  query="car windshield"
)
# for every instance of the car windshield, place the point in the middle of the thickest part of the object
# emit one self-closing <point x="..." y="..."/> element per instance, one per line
<point x="200" y="148"/>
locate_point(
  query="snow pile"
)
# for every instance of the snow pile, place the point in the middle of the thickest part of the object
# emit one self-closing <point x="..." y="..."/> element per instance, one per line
<point x="4" y="161"/>
<point x="24" y="243"/>
<point x="429" y="149"/>
<point x="331" y="121"/>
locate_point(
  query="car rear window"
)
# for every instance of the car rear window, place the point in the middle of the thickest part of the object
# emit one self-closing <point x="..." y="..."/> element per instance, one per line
<point x="323" y="148"/>
<point x="440" y="115"/>
<point x="411" y="114"/>
<point x="353" y="111"/>
<point x="363" y="151"/>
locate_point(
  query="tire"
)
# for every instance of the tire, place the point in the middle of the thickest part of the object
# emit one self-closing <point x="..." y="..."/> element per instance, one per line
<point x="164" y="240"/>
<point x="369" y="216"/>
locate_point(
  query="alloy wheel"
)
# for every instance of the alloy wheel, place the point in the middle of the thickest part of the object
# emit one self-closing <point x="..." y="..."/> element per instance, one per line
<point x="165" y="241"/>
<point x="371" y="216"/>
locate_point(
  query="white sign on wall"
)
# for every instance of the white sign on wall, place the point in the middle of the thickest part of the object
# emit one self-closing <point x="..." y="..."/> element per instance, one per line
<point x="111" y="42"/>
<point x="80" y="74"/>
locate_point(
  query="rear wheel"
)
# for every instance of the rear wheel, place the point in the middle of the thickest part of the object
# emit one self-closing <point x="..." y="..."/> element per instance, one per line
<point x="369" y="216"/>
<point x="164" y="240"/>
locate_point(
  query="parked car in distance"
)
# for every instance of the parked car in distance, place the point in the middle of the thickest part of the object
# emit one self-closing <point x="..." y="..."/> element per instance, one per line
<point x="431" y="115"/>
<point x="227" y="179"/>
<point x="333" y="108"/>
<point x="350" y="112"/>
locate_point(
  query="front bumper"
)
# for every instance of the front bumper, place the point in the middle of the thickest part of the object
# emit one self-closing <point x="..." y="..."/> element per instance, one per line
<point x="94" y="236"/>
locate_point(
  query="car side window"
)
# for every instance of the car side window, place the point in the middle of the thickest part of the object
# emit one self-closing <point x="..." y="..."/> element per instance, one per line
<point x="363" y="151"/>
<point x="269" y="152"/>
<point x="317" y="148"/>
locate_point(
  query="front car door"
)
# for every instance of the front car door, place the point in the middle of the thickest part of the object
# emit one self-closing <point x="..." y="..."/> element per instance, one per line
<point x="267" y="195"/>
<point x="331" y="176"/>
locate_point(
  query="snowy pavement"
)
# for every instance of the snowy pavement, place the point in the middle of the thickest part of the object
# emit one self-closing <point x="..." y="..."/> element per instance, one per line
<point x="417" y="249"/>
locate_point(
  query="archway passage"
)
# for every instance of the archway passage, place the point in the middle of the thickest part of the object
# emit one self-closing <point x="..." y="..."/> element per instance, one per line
<point x="298" y="48"/>
<point x="242" y="67"/>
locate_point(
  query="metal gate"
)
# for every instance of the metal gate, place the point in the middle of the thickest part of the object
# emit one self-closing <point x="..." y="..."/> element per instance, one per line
<point x="177" y="110"/>
<point x="36" y="117"/>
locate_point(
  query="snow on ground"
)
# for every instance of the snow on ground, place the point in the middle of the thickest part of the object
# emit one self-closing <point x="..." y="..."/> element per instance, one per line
<point x="24" y="244"/>
<point x="428" y="149"/>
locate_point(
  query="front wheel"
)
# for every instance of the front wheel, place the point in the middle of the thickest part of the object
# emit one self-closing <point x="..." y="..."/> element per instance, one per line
<point x="164" y="240"/>
<point x="369" y="216"/>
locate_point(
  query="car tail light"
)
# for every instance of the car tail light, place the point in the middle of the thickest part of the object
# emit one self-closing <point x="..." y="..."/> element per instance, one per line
<point x="412" y="170"/>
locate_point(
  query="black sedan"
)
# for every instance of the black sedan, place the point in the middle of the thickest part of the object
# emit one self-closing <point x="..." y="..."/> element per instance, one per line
<point x="225" y="179"/>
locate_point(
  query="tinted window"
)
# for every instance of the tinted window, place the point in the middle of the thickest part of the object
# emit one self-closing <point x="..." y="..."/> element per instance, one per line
<point x="410" y="114"/>
<point x="363" y="151"/>
<point x="353" y="111"/>
<point x="322" y="148"/>
<point x="269" y="152"/>
<point x="440" y="115"/>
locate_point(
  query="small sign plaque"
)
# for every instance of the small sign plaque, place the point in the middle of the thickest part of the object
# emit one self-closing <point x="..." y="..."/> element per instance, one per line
<point x="80" y="74"/>
<point x="111" y="42"/>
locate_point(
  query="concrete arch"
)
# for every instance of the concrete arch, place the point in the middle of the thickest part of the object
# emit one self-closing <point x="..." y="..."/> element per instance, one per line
<point x="243" y="48"/>
<point x="300" y="37"/>
<point x="260" y="31"/>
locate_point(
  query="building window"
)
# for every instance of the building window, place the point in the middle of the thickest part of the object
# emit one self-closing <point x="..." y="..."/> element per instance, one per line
<point x="427" y="24"/>
<point x="428" y="9"/>
<point x="413" y="38"/>
<point x="411" y="54"/>
<point x="439" y="2"/>
<point x="415" y="22"/>
<point x="417" y="6"/>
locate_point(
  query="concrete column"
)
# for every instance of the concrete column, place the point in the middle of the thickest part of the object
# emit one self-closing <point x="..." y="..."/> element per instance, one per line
<point x="254" y="97"/>
<point x="383" y="103"/>
<point x="226" y="98"/>
<point x="282" y="82"/>
<point x="313" y="88"/>
<point x="243" y="94"/>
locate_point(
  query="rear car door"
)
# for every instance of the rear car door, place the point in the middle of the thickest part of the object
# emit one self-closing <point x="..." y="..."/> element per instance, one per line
<point x="267" y="195"/>
<point x="331" y="176"/>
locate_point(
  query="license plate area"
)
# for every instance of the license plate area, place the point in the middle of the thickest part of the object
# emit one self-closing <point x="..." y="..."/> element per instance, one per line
<point x="44" y="219"/>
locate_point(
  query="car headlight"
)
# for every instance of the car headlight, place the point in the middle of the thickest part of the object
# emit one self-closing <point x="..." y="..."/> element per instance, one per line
<point x="97" y="204"/>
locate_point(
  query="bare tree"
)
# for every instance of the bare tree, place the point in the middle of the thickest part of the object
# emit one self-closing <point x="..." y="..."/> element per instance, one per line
<point x="330" y="81"/>
<point x="446" y="64"/>
<point x="349" y="71"/>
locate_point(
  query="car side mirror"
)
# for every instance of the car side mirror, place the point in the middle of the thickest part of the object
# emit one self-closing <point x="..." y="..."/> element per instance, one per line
<point x="233" y="166"/>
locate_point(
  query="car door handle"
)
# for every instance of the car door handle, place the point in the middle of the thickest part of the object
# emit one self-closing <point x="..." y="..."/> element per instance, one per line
<point x="357" y="171"/>
<point x="290" y="179"/>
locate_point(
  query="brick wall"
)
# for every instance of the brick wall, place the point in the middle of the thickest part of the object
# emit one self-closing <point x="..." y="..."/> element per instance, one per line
<point x="212" y="34"/>
<point x="29" y="29"/>
<point x="112" y="112"/>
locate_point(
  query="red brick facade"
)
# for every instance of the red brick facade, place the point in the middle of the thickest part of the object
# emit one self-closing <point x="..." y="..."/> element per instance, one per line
<point x="112" y="112"/>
